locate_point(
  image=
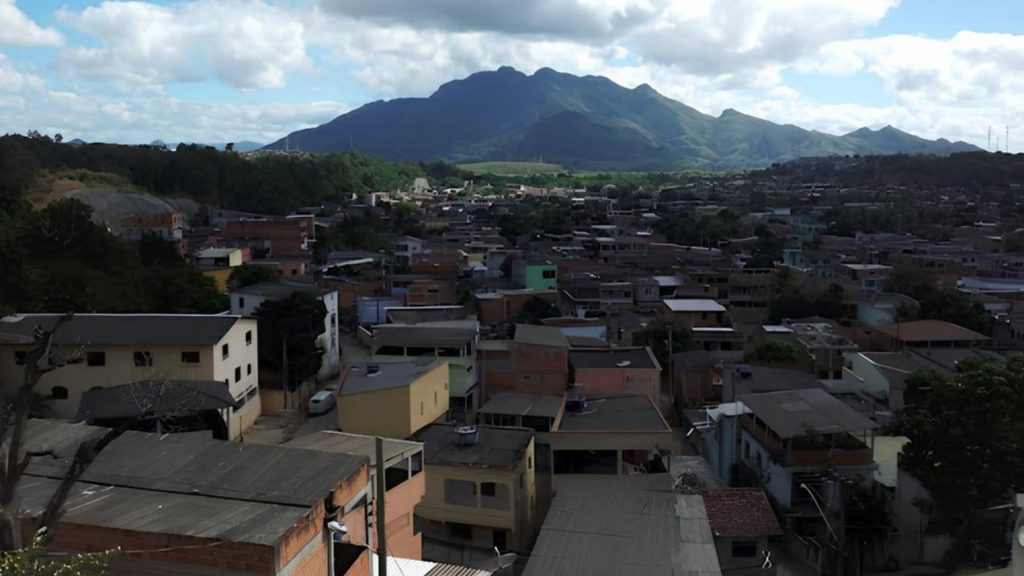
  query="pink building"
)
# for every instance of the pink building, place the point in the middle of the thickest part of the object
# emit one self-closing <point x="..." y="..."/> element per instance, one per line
<point x="617" y="371"/>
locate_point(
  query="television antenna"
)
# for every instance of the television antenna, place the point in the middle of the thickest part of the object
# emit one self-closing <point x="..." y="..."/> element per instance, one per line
<point x="501" y="561"/>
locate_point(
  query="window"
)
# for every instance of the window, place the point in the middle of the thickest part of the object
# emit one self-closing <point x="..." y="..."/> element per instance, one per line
<point x="59" y="393"/>
<point x="529" y="462"/>
<point x="251" y="393"/>
<point x="20" y="357"/>
<point x="248" y="337"/>
<point x="421" y="408"/>
<point x="435" y="397"/>
<point x="238" y="373"/>
<point x="487" y="488"/>
<point x="548" y="274"/>
<point x="96" y="358"/>
<point x="224" y="351"/>
<point x="241" y="303"/>
<point x="190" y="357"/>
<point x="248" y="369"/>
<point x="744" y="549"/>
<point x="495" y="496"/>
<point x="143" y="358"/>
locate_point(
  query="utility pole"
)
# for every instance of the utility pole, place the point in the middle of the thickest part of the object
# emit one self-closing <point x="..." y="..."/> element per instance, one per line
<point x="382" y="559"/>
<point x="284" y="370"/>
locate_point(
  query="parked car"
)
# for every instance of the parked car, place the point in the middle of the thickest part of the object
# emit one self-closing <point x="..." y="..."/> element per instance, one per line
<point x="323" y="401"/>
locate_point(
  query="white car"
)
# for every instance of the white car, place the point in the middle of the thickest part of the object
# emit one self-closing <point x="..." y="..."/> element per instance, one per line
<point x="323" y="401"/>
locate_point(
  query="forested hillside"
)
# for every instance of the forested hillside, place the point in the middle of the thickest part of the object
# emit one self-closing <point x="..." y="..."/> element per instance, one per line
<point x="272" y="184"/>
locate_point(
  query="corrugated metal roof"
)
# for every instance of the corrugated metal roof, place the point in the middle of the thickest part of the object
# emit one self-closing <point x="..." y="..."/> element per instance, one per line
<point x="197" y="464"/>
<point x="613" y="525"/>
<point x="163" y="512"/>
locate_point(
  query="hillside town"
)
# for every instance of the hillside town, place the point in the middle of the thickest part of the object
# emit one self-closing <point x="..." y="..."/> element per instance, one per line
<point x="741" y="375"/>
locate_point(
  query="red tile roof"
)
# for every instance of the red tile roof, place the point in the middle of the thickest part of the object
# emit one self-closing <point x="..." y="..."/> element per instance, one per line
<point x="740" y="513"/>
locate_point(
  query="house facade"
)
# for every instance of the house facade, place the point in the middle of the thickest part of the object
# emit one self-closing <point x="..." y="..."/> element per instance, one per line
<point x="116" y="349"/>
<point x="392" y="400"/>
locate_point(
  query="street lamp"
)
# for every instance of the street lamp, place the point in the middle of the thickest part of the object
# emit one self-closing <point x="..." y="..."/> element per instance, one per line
<point x="824" y="517"/>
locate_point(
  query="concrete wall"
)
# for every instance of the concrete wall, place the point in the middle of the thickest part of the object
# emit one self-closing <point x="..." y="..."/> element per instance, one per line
<point x="527" y="369"/>
<point x="777" y="481"/>
<point x="396" y="412"/>
<point x="613" y="381"/>
<point x="533" y="276"/>
<point x="742" y="566"/>
<point x="517" y="517"/>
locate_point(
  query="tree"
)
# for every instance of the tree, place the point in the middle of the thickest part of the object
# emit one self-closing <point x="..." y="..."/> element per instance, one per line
<point x="777" y="352"/>
<point x="43" y="357"/>
<point x="655" y="336"/>
<point x="536" y="309"/>
<point x="249" y="274"/>
<point x="31" y="561"/>
<point x="966" y="434"/>
<point x="288" y="331"/>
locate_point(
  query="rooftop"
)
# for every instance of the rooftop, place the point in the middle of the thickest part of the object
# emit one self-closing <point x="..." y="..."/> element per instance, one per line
<point x="125" y="508"/>
<point x="740" y="513"/>
<point x="606" y="525"/>
<point x="792" y="413"/>
<point x="765" y="379"/>
<point x="216" y="252"/>
<point x="154" y="397"/>
<point x="540" y="336"/>
<point x="195" y="464"/>
<point x="446" y="334"/>
<point x="358" y="379"/>
<point x="515" y="404"/>
<point x="92" y="330"/>
<point x="618" y="413"/>
<point x="693" y="305"/>
<point x="497" y="447"/>
<point x="637" y="358"/>
<point x="931" y="331"/>
<point x="357" y="444"/>
<point x="282" y="288"/>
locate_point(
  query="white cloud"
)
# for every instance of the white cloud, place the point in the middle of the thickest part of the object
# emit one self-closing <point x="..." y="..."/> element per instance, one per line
<point x="142" y="118"/>
<point x="246" y="44"/>
<point x="12" y="80"/>
<point x="564" y="19"/>
<point x="17" y="29"/>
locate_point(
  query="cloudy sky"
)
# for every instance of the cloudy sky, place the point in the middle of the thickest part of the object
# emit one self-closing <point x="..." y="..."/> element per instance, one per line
<point x="232" y="70"/>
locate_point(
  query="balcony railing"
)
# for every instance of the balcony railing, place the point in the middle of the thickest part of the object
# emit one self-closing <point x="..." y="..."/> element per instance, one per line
<point x="812" y="450"/>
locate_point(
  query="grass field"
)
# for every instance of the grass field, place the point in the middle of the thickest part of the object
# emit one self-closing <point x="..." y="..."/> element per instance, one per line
<point x="512" y="168"/>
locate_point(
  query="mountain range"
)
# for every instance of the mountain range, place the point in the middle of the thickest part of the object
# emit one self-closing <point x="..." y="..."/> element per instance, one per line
<point x="583" y="122"/>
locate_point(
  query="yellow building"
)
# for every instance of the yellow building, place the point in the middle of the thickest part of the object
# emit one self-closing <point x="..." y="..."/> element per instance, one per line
<point x="111" y="350"/>
<point x="219" y="263"/>
<point x="393" y="400"/>
<point x="481" y="490"/>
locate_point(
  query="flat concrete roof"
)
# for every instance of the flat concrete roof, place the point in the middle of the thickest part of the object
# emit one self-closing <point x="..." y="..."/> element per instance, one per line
<point x="496" y="448"/>
<point x="618" y="413"/>
<point x="516" y="404"/>
<point x="792" y="413"/>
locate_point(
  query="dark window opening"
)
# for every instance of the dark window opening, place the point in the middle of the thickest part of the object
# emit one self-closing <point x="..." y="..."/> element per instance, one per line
<point x="20" y="357"/>
<point x="190" y="357"/>
<point x="143" y="358"/>
<point x="59" y="393"/>
<point x="96" y="358"/>
<point x="238" y="373"/>
<point x="744" y="549"/>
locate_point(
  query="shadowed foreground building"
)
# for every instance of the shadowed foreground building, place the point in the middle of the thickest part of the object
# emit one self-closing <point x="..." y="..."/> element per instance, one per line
<point x="188" y="504"/>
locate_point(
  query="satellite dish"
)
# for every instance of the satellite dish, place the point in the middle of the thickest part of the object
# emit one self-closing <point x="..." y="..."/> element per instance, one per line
<point x="501" y="561"/>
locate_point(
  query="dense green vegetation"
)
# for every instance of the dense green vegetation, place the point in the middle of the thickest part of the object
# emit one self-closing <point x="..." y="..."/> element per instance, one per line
<point x="288" y="330"/>
<point x="58" y="260"/>
<point x="511" y="168"/>
<point x="971" y="170"/>
<point x="966" y="435"/>
<point x="268" y="184"/>
<point x="940" y="303"/>
<point x="587" y="123"/>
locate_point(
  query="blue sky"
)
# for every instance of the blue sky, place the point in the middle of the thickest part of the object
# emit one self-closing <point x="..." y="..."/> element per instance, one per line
<point x="222" y="70"/>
